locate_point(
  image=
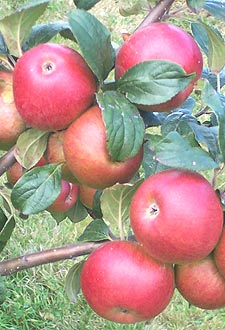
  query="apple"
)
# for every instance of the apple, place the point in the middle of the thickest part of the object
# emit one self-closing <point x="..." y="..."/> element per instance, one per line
<point x="58" y="86"/>
<point x="66" y="199"/>
<point x="201" y="284"/>
<point x="86" y="195"/>
<point x="177" y="216"/>
<point x="85" y="150"/>
<point x="55" y="154"/>
<point x="219" y="254"/>
<point x="122" y="283"/>
<point x="12" y="124"/>
<point x="161" y="41"/>
<point x="15" y="171"/>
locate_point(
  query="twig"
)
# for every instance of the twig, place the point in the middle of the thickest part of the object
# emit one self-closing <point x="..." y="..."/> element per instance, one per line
<point x="7" y="160"/>
<point x="157" y="13"/>
<point x="12" y="266"/>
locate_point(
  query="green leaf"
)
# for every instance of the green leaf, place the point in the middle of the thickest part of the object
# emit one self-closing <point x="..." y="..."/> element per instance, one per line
<point x="72" y="282"/>
<point x="216" y="54"/>
<point x="150" y="164"/>
<point x="85" y="4"/>
<point x="195" y="4"/>
<point x="96" y="231"/>
<point x="37" y="189"/>
<point x="115" y="204"/>
<point x="17" y="26"/>
<point x="42" y="33"/>
<point x="213" y="100"/>
<point x="200" y="36"/>
<point x="77" y="212"/>
<point x="178" y="121"/>
<point x="124" y="125"/>
<point x="31" y="145"/>
<point x="7" y="225"/>
<point x="94" y="41"/>
<point x="216" y="8"/>
<point x="133" y="8"/>
<point x="153" y="82"/>
<point x="3" y="47"/>
<point x="176" y="151"/>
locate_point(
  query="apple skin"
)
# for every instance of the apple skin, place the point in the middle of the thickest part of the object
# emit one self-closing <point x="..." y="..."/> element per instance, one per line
<point x="122" y="283"/>
<point x="161" y="41"/>
<point x="219" y="254"/>
<point x="12" y="124"/>
<point x="86" y="195"/>
<point x="201" y="284"/>
<point x="66" y="199"/>
<point x="177" y="216"/>
<point x="86" y="154"/>
<point x="59" y="86"/>
<point x="55" y="154"/>
<point x="15" y="171"/>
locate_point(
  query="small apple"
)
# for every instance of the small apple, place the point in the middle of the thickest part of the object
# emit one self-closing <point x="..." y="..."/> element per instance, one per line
<point x="12" y="124"/>
<point x="15" y="171"/>
<point x="86" y="195"/>
<point x="66" y="199"/>
<point x="85" y="150"/>
<point x="59" y="86"/>
<point x="55" y="154"/>
<point x="122" y="283"/>
<point x="201" y="283"/>
<point x="177" y="216"/>
<point x="161" y="41"/>
<point x="219" y="254"/>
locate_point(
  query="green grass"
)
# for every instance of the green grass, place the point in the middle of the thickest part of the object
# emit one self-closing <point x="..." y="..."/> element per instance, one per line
<point x="36" y="298"/>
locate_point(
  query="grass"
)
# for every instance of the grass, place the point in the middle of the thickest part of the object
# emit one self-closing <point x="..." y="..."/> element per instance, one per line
<point x="36" y="298"/>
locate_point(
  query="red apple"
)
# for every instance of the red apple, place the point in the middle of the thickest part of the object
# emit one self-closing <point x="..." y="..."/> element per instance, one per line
<point x="86" y="154"/>
<point x="86" y="195"/>
<point x="201" y="284"/>
<point x="177" y="216"/>
<point x="55" y="154"/>
<point x="219" y="254"/>
<point x="122" y="283"/>
<point x="66" y="199"/>
<point x="15" y="171"/>
<point x="12" y="125"/>
<point x="161" y="41"/>
<point x="58" y="86"/>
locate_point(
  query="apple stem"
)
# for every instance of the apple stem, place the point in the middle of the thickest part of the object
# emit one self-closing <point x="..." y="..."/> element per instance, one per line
<point x="7" y="160"/>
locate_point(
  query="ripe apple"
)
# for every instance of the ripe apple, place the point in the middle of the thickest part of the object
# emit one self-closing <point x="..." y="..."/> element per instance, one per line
<point x="177" y="216"/>
<point x="59" y="86"/>
<point x="55" y="154"/>
<point x="122" y="283"/>
<point x="85" y="150"/>
<point x="15" y="171"/>
<point x="201" y="284"/>
<point x="161" y="41"/>
<point x="66" y="199"/>
<point x="12" y="124"/>
<point x="86" y="195"/>
<point x="219" y="254"/>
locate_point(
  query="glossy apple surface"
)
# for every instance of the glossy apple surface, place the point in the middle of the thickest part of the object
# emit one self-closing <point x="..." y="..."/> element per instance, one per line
<point x="66" y="199"/>
<point x="86" y="195"/>
<point x="59" y="86"/>
<point x="161" y="41"/>
<point x="12" y="124"/>
<point x="86" y="154"/>
<point x="177" y="216"/>
<point x="201" y="284"/>
<point x="55" y="154"/>
<point x="123" y="284"/>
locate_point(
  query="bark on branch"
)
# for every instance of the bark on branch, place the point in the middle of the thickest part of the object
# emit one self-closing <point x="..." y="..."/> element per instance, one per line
<point x="11" y="266"/>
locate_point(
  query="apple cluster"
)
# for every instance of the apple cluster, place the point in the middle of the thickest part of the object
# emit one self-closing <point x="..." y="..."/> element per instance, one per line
<point x="177" y="220"/>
